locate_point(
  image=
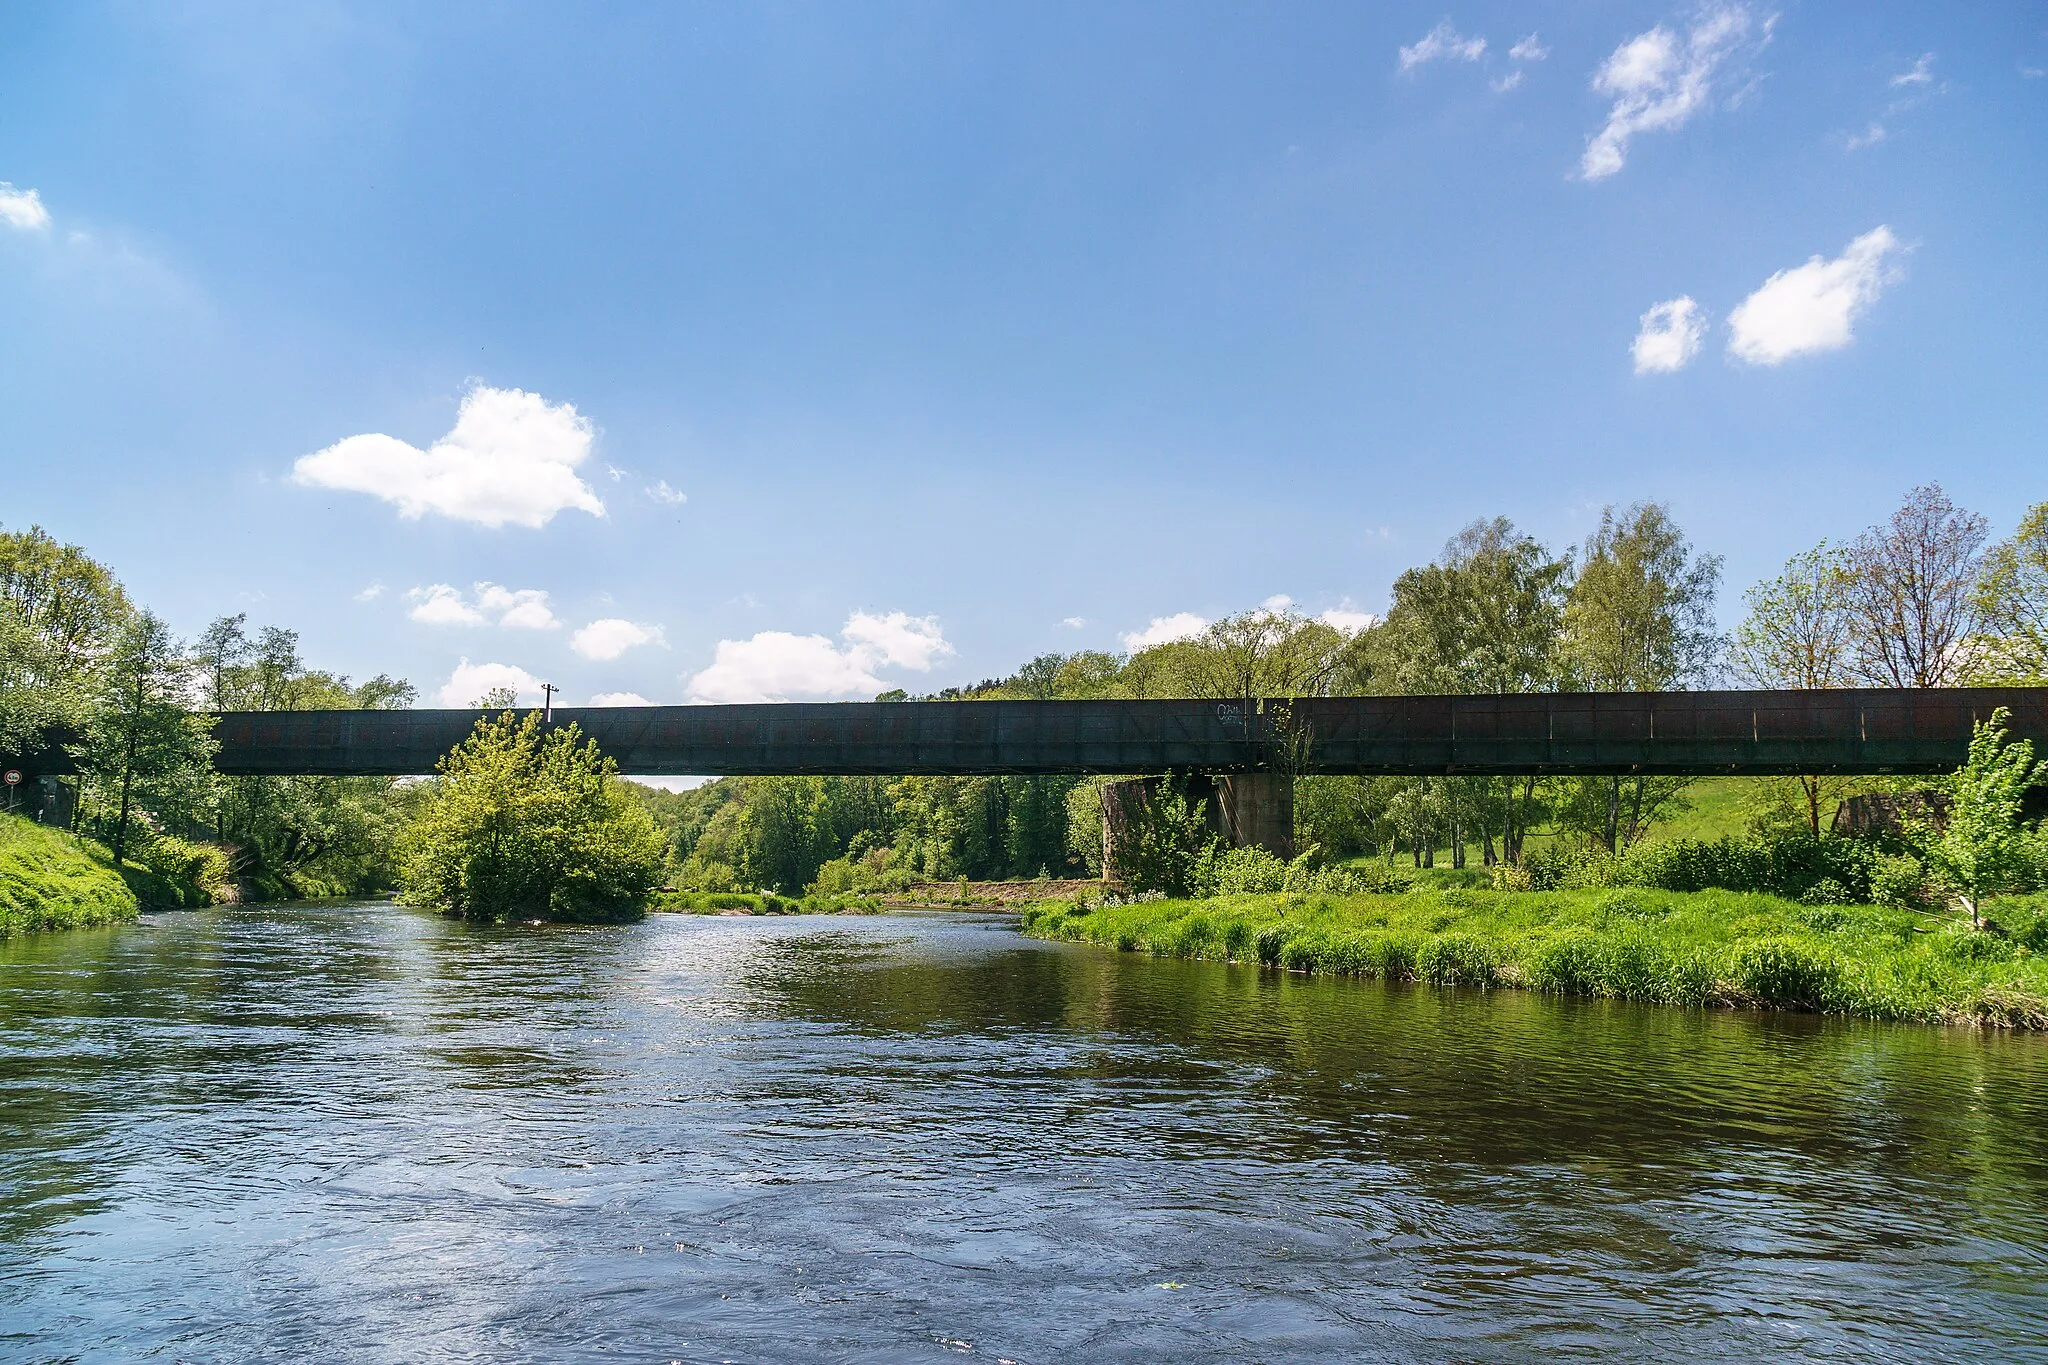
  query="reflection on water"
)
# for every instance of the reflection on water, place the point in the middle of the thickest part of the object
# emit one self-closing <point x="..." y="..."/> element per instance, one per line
<point x="369" y="1135"/>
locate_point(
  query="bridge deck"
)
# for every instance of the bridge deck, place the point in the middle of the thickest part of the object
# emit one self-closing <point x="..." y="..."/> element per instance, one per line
<point x="1759" y="733"/>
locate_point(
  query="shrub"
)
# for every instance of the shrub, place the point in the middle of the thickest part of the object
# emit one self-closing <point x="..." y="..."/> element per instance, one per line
<point x="1900" y="883"/>
<point x="206" y="866"/>
<point x="529" y="822"/>
<point x="1512" y="877"/>
<point x="1826" y="891"/>
<point x="1791" y="864"/>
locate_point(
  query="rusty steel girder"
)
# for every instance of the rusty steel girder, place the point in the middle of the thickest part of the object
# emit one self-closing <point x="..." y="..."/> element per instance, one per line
<point x="1751" y="733"/>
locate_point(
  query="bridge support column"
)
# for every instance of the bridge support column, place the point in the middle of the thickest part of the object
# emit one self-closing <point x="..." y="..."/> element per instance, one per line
<point x="1123" y="806"/>
<point x="1258" y="811"/>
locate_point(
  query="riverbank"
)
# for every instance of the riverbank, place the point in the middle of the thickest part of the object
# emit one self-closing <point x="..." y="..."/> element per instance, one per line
<point x="53" y="879"/>
<point x="1680" y="948"/>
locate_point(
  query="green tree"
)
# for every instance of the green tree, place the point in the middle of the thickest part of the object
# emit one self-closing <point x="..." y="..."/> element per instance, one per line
<point x="1485" y="617"/>
<point x="61" y="615"/>
<point x="144" y="749"/>
<point x="1639" y="618"/>
<point x="1982" y="847"/>
<point x="1799" y="633"/>
<point x="2011" y="602"/>
<point x="529" y="822"/>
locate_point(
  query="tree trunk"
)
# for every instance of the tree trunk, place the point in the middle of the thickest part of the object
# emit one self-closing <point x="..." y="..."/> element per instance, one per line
<point x="1613" y="812"/>
<point x="1812" y="787"/>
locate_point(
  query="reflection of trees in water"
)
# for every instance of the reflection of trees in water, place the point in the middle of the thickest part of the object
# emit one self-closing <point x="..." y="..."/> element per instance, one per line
<point x="1453" y="1085"/>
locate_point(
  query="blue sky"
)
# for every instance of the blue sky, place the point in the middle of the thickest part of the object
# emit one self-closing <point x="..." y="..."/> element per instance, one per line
<point x="905" y="342"/>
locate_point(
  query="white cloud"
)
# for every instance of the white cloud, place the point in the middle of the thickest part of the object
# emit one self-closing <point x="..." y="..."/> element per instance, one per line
<point x="519" y="608"/>
<point x="1348" y="619"/>
<point x="619" y="699"/>
<point x="1921" y="74"/>
<point x="1530" y="49"/>
<point x="439" y="604"/>
<point x="661" y="492"/>
<point x="897" y="639"/>
<point x="371" y="593"/>
<point x="1671" y="334"/>
<point x="1277" y="603"/>
<point x="1813" y="307"/>
<point x="1184" y="625"/>
<point x="1442" y="43"/>
<point x="511" y="457"/>
<point x="1073" y="622"/>
<point x="1869" y="137"/>
<point x="611" y="637"/>
<point x="469" y="682"/>
<point x="22" y="209"/>
<point x="1659" y="80"/>
<point x="778" y="666"/>
<point x="1507" y="82"/>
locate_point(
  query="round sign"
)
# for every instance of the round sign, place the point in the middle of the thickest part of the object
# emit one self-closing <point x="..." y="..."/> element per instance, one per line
<point x="12" y="777"/>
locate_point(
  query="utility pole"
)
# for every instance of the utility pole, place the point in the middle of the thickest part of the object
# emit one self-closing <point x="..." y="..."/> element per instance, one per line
<point x="547" y="706"/>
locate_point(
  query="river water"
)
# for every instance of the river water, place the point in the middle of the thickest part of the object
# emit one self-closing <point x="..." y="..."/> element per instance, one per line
<point x="360" y="1133"/>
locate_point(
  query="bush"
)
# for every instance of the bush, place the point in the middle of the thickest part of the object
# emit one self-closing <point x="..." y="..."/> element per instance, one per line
<point x="1791" y="864"/>
<point x="1900" y="883"/>
<point x="529" y="822"/>
<point x="1826" y="891"/>
<point x="205" y="866"/>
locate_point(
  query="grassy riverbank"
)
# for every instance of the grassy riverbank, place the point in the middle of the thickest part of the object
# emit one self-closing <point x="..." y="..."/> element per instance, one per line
<point x="1681" y="948"/>
<point x="51" y="879"/>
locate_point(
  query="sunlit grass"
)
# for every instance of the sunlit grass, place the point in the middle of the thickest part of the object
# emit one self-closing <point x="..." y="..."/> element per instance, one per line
<point x="1683" y="948"/>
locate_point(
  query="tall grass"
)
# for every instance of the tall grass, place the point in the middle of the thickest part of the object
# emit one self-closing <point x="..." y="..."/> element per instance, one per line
<point x="50" y="879"/>
<point x="1680" y="948"/>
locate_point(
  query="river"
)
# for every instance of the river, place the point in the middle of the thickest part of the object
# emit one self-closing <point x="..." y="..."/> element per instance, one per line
<point x="361" y="1133"/>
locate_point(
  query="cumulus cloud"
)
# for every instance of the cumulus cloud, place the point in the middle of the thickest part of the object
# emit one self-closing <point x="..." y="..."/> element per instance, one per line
<point x="897" y="639"/>
<point x="1529" y="50"/>
<point x="519" y="608"/>
<point x="611" y="637"/>
<point x="371" y="593"/>
<point x="1660" y="79"/>
<point x="776" y="665"/>
<point x="619" y="699"/>
<point x="1073" y="622"/>
<point x="1442" y="43"/>
<point x="1184" y="625"/>
<point x="1671" y="335"/>
<point x="469" y="683"/>
<point x="511" y="458"/>
<point x="1921" y="74"/>
<point x="438" y="604"/>
<point x="441" y="605"/>
<point x="1813" y="307"/>
<point x="661" y="492"/>
<point x="22" y="209"/>
<point x="1348" y="619"/>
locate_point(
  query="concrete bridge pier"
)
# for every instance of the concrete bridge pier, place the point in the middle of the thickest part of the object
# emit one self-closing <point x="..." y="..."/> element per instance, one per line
<point x="1243" y="809"/>
<point x="1258" y="811"/>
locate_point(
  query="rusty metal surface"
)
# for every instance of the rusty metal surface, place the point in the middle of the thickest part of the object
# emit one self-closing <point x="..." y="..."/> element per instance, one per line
<point x="1756" y="733"/>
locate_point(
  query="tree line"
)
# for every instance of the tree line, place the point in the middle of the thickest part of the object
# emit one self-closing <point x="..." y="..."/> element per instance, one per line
<point x="78" y="658"/>
<point x="1922" y="599"/>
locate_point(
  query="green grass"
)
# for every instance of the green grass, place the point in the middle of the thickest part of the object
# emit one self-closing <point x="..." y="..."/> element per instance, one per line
<point x="53" y="880"/>
<point x="1682" y="948"/>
